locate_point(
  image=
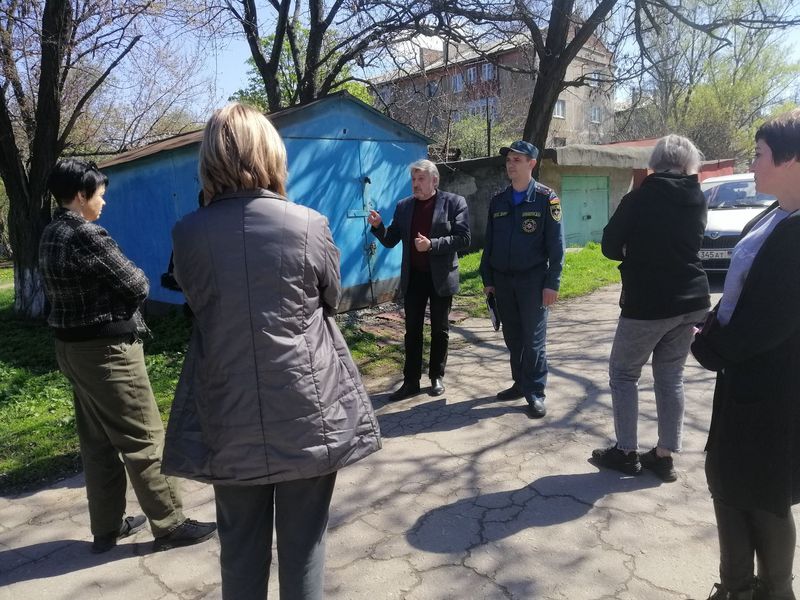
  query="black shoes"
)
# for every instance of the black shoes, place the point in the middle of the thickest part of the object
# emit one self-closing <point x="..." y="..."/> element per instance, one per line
<point x="662" y="466"/>
<point x="187" y="533"/>
<point x="512" y="393"/>
<point x="129" y="526"/>
<point x="757" y="591"/>
<point x="404" y="391"/>
<point x="721" y="593"/>
<point x="536" y="408"/>
<point x="614" y="458"/>
<point x="437" y="387"/>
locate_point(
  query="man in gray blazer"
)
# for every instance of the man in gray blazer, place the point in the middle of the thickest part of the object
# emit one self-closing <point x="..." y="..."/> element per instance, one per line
<point x="433" y="226"/>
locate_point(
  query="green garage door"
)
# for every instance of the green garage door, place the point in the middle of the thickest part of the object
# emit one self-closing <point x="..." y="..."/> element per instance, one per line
<point x="584" y="203"/>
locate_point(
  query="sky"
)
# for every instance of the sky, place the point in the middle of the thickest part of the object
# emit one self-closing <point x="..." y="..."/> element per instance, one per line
<point x="228" y="67"/>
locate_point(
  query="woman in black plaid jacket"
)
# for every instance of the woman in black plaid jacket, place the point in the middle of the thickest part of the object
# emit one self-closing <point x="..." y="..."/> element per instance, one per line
<point x="95" y="293"/>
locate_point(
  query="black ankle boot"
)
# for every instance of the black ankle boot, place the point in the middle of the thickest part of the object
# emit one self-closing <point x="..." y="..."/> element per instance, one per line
<point x="721" y="593"/>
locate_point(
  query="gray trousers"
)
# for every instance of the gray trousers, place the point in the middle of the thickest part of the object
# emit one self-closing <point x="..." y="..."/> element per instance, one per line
<point x="245" y="516"/>
<point x="668" y="340"/>
<point x="120" y="429"/>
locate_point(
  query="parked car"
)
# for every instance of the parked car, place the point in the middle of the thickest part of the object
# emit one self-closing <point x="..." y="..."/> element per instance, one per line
<point x="732" y="203"/>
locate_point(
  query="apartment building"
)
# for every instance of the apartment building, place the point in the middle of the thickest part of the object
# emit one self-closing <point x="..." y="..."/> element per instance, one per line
<point x="441" y="87"/>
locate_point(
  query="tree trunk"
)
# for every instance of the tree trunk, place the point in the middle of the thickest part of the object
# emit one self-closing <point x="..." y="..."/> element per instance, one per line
<point x="29" y="200"/>
<point x="540" y="112"/>
<point x="27" y="219"/>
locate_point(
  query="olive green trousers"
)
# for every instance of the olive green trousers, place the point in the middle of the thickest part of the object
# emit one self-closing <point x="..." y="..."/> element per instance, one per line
<point x="120" y="429"/>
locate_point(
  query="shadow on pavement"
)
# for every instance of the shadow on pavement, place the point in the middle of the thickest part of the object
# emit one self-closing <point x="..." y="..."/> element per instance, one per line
<point x="487" y="518"/>
<point x="437" y="415"/>
<point x="28" y="563"/>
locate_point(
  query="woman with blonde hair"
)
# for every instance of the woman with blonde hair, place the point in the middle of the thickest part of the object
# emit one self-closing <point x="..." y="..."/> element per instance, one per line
<point x="270" y="404"/>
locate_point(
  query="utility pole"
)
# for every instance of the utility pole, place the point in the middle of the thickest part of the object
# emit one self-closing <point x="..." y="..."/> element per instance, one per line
<point x="488" y="130"/>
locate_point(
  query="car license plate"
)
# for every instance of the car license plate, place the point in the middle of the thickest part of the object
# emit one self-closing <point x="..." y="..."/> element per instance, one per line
<point x="714" y="254"/>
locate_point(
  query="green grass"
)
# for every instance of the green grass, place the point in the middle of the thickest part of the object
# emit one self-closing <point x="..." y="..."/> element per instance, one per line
<point x="38" y="441"/>
<point x="6" y="275"/>
<point x="586" y="271"/>
<point x="374" y="355"/>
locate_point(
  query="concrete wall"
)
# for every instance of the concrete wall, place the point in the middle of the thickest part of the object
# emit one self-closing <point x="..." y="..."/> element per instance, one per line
<point x="477" y="180"/>
<point x="480" y="179"/>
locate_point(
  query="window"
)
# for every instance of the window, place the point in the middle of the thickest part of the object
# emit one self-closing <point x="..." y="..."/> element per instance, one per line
<point x="597" y="114"/>
<point x="457" y="82"/>
<point x="487" y="72"/>
<point x="594" y="79"/>
<point x="436" y="122"/>
<point x="431" y="88"/>
<point x="560" y="111"/>
<point x="478" y="107"/>
<point x="455" y="116"/>
<point x="472" y="75"/>
<point x="559" y="142"/>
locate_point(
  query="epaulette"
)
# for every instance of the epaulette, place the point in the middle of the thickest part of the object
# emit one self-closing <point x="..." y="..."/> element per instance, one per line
<point x="542" y="189"/>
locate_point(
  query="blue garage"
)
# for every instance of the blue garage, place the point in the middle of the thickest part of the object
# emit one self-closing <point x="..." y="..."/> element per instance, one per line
<point x="344" y="158"/>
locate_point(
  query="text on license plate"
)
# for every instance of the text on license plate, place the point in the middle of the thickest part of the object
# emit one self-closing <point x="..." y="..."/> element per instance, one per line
<point x="712" y="254"/>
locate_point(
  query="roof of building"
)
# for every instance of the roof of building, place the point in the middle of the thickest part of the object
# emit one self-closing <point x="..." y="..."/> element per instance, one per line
<point x="463" y="54"/>
<point x="631" y="157"/>
<point x="196" y="136"/>
<point x="642" y="143"/>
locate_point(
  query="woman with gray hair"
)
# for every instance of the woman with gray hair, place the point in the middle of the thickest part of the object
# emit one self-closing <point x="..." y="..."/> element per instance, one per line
<point x="656" y="232"/>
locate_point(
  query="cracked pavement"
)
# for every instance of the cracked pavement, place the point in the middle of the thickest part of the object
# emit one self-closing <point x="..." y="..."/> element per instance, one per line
<point x="468" y="499"/>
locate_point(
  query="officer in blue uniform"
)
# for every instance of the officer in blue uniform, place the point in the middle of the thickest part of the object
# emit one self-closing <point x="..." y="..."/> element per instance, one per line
<point x="523" y="256"/>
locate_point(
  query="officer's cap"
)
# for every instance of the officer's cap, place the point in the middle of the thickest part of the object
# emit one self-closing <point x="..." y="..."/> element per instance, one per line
<point x="522" y="147"/>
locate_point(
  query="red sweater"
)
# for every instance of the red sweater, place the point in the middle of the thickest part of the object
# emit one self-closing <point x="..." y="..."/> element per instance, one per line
<point x="421" y="224"/>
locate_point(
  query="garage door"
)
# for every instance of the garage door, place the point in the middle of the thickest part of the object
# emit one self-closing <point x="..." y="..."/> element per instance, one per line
<point x="584" y="201"/>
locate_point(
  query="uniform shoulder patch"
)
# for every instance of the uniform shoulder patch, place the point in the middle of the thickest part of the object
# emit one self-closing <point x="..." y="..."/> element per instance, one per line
<point x="555" y="210"/>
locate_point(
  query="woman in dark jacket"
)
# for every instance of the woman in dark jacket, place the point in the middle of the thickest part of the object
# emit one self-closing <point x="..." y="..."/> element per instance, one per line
<point x="269" y="405"/>
<point x="753" y="343"/>
<point x="656" y="232"/>
<point x="95" y="294"/>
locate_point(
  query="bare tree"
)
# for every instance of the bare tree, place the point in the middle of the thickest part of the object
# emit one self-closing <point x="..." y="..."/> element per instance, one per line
<point x="713" y="89"/>
<point x="56" y="56"/>
<point x="320" y="39"/>
<point x="558" y="29"/>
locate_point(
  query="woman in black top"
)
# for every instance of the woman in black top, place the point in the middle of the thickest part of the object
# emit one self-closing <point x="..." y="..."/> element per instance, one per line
<point x="753" y="343"/>
<point x="656" y="232"/>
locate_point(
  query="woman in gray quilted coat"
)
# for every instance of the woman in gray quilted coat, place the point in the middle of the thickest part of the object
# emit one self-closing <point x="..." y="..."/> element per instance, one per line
<point x="270" y="404"/>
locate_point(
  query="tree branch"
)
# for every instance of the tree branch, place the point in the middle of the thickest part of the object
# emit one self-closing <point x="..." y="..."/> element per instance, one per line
<point x="92" y="89"/>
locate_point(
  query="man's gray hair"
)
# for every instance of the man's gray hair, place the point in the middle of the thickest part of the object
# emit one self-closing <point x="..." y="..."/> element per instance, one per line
<point x="427" y="166"/>
<point x="676" y="153"/>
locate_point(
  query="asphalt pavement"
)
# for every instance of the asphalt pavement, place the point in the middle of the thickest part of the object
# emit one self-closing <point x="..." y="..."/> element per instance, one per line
<point x="468" y="499"/>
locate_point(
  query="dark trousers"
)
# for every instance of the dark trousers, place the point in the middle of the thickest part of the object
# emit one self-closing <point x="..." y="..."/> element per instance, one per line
<point x="419" y="293"/>
<point x="245" y="517"/>
<point x="747" y="533"/>
<point x="119" y="429"/>
<point x="519" y="301"/>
